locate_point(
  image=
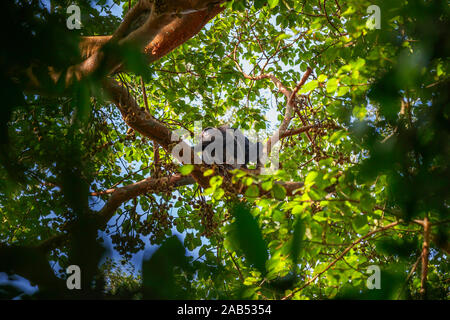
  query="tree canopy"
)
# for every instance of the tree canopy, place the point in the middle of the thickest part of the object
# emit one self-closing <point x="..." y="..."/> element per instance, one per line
<point x="358" y="101"/>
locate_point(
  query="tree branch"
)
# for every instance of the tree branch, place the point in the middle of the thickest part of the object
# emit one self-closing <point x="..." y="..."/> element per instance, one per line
<point x="290" y="105"/>
<point x="118" y="197"/>
<point x="160" y="31"/>
<point x="339" y="258"/>
<point x="425" y="255"/>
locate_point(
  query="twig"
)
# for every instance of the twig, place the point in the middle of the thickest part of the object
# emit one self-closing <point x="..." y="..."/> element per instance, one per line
<point x="237" y="267"/>
<point x="414" y="267"/>
<point x="144" y="94"/>
<point x="293" y="132"/>
<point x="339" y="258"/>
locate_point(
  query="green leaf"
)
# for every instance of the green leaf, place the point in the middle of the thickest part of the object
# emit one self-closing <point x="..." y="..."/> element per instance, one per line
<point x="267" y="185"/>
<point x="282" y="37"/>
<point x="272" y="3"/>
<point x="311" y="178"/>
<point x="186" y="169"/>
<point x="216" y="181"/>
<point x="259" y="4"/>
<point x="322" y="78"/>
<point x="278" y="191"/>
<point x="249" y="237"/>
<point x="332" y="85"/>
<point x="218" y="194"/>
<point x="342" y="91"/>
<point x="309" y="86"/>
<point x="158" y="272"/>
<point x="299" y="233"/>
<point x="252" y="191"/>
<point x="360" y="224"/>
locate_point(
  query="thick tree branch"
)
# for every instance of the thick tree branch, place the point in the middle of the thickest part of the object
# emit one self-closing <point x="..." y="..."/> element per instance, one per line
<point x="141" y="121"/>
<point x="290" y="105"/>
<point x="155" y="27"/>
<point x="121" y="195"/>
<point x="118" y="197"/>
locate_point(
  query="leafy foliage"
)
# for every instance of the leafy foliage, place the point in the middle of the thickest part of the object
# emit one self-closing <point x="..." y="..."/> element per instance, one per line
<point x="378" y="154"/>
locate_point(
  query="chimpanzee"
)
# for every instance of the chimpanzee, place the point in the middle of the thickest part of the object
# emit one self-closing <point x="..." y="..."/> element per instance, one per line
<point x="215" y="142"/>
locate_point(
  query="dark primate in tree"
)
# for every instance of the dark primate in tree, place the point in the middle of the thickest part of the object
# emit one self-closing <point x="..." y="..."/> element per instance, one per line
<point x="215" y="142"/>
